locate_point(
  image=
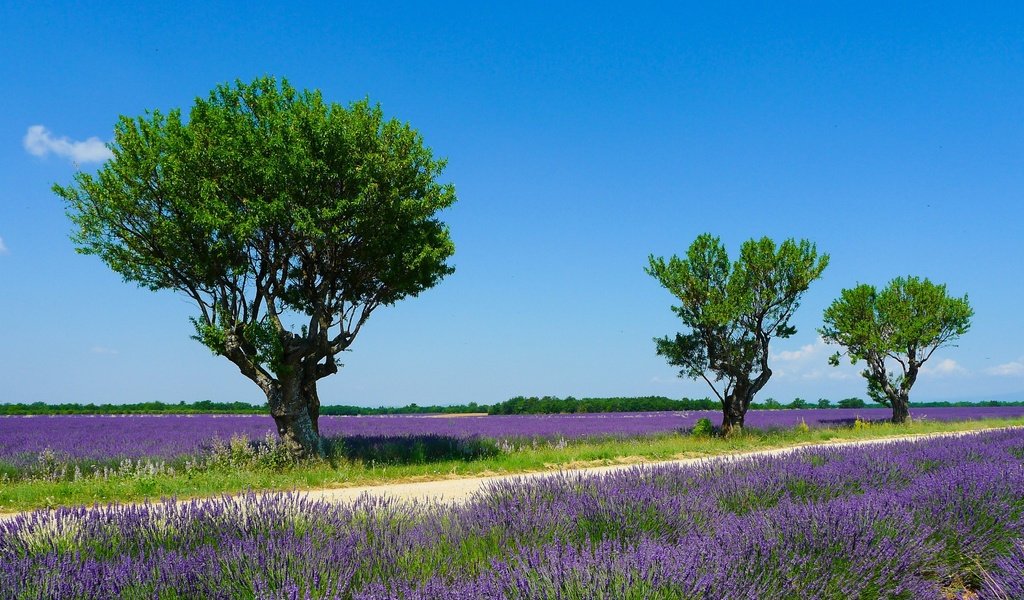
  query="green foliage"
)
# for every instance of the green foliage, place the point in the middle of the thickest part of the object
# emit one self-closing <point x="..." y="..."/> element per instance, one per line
<point x="201" y="407"/>
<point x="904" y="323"/>
<point x="521" y="405"/>
<point x="733" y="309"/>
<point x="409" y="409"/>
<point x="703" y="427"/>
<point x="798" y="403"/>
<point x="859" y="424"/>
<point x="518" y="405"/>
<point x="260" y="337"/>
<point x="267" y="204"/>
<point x="242" y="453"/>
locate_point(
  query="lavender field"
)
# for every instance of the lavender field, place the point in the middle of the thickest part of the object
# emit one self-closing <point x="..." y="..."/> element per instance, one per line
<point x="169" y="436"/>
<point x="843" y="522"/>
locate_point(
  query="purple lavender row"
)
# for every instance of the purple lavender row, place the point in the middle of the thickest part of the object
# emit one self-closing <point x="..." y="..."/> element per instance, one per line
<point x="823" y="523"/>
<point x="169" y="436"/>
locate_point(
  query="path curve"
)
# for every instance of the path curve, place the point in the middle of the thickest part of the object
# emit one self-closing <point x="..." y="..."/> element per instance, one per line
<point x="463" y="489"/>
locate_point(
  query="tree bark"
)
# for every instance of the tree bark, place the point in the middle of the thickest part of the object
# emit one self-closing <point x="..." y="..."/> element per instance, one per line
<point x="736" y="403"/>
<point x="313" y="405"/>
<point x="900" y="408"/>
<point x="295" y="406"/>
<point x="733" y="415"/>
<point x="296" y="431"/>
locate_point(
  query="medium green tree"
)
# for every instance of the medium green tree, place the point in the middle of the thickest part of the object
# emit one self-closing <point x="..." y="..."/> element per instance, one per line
<point x="287" y="221"/>
<point x="852" y="403"/>
<point x="732" y="311"/>
<point x="902" y="325"/>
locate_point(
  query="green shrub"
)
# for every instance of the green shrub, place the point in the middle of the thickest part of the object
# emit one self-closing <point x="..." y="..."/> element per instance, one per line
<point x="703" y="427"/>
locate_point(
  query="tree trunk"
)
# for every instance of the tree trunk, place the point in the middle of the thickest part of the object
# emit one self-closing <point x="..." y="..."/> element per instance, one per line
<point x="313" y="404"/>
<point x="733" y="415"/>
<point x="900" y="408"/>
<point x="297" y="433"/>
<point x="295" y="407"/>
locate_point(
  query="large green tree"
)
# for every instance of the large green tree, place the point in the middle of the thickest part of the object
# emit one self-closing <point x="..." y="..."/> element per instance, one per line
<point x="902" y="325"/>
<point x="286" y="219"/>
<point x="732" y="310"/>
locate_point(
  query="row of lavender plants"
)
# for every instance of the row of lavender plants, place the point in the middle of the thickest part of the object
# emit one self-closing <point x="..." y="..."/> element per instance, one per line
<point x="941" y="518"/>
<point x="106" y="438"/>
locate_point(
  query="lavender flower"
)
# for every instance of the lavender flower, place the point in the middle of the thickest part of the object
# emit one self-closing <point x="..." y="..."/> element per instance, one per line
<point x="927" y="519"/>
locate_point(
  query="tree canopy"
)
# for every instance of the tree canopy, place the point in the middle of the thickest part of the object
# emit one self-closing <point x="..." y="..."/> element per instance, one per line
<point x="287" y="220"/>
<point x="732" y="310"/>
<point x="901" y="325"/>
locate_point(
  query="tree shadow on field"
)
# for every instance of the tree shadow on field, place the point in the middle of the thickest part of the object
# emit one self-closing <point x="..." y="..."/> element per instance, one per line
<point x="410" y="449"/>
<point x="838" y="422"/>
<point x="850" y="422"/>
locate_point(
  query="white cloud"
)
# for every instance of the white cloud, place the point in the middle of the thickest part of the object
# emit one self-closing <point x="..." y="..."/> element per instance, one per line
<point x="1013" y="368"/>
<point x="809" y="362"/>
<point x="804" y="356"/>
<point x="3" y="246"/>
<point x="38" y="141"/>
<point x="102" y="350"/>
<point x="944" y="367"/>
<point x="804" y="352"/>
<point x="827" y="373"/>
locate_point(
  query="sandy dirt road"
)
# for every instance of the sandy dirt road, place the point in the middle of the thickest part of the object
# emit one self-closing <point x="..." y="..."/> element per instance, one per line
<point x="463" y="489"/>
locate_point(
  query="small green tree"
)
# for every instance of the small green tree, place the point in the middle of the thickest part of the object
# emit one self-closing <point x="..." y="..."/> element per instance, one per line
<point x="266" y="207"/>
<point x="732" y="311"/>
<point x="797" y="404"/>
<point x="904" y="324"/>
<point x="852" y="403"/>
<point x="824" y="403"/>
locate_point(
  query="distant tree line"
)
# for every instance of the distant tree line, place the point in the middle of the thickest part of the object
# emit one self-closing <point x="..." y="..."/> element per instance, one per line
<point x="209" y="407"/>
<point x="520" y="405"/>
<point x="200" y="407"/>
<point x="409" y="409"/>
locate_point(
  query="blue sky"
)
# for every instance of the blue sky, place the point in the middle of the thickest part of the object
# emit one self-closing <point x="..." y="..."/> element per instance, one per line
<point x="580" y="140"/>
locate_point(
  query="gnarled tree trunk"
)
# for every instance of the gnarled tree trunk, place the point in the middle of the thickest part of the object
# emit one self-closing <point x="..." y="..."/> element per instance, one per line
<point x="295" y="406"/>
<point x="736" y="403"/>
<point x="313" y="405"/>
<point x="893" y="393"/>
<point x="900" y="408"/>
<point x="733" y="415"/>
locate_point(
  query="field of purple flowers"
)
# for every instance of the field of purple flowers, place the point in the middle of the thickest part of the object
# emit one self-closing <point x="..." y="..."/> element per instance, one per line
<point x="941" y="518"/>
<point x="107" y="438"/>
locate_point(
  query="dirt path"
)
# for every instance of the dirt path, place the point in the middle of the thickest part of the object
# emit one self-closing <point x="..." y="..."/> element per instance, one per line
<point x="461" y="490"/>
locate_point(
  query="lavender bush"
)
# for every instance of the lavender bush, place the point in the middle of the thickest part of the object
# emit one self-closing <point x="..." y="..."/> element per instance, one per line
<point x="166" y="437"/>
<point x="940" y="518"/>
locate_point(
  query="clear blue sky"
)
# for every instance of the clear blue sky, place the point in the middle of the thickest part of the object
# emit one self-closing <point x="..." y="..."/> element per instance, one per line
<point x="580" y="140"/>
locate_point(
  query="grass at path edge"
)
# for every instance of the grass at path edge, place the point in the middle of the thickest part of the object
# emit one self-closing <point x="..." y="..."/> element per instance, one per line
<point x="27" y="495"/>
